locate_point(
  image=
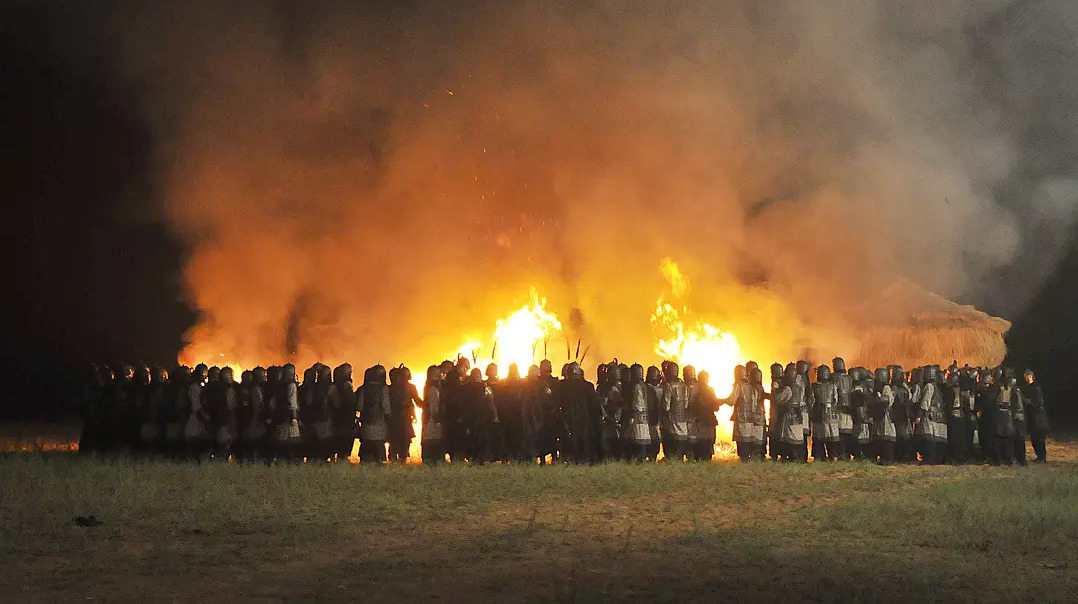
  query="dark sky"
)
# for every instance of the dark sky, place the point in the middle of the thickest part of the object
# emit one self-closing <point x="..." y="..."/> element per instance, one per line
<point x="95" y="275"/>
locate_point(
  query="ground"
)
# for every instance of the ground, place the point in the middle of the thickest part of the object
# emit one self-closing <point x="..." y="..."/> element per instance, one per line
<point x="643" y="533"/>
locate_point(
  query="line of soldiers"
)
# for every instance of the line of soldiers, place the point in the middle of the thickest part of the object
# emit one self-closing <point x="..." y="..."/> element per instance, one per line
<point x="961" y="415"/>
<point x="628" y="414"/>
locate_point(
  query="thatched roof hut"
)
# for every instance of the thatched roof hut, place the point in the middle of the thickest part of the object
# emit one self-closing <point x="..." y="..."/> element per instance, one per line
<point x="906" y="325"/>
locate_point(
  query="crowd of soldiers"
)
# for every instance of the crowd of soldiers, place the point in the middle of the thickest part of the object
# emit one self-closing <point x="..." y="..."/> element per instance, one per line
<point x="928" y="415"/>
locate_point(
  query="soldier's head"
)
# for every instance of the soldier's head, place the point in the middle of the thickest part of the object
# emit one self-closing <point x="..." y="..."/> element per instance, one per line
<point x="757" y="377"/>
<point x="200" y="373"/>
<point x="273" y="375"/>
<point x="916" y="376"/>
<point x="446" y="367"/>
<point x="741" y="374"/>
<point x="705" y="378"/>
<point x="789" y="375"/>
<point x="623" y="372"/>
<point x="288" y="373"/>
<point x="492" y="371"/>
<point x="182" y="375"/>
<point x="158" y="375"/>
<point x="898" y="377"/>
<point x="476" y="375"/>
<point x="395" y="376"/>
<point x="839" y="365"/>
<point x="434" y="374"/>
<point x="952" y="378"/>
<point x="142" y="375"/>
<point x="576" y="372"/>
<point x="1009" y="374"/>
<point x="378" y="374"/>
<point x="309" y="376"/>
<point x="565" y="371"/>
<point x="600" y="373"/>
<point x="929" y="374"/>
<point x="776" y="372"/>
<point x="670" y="372"/>
<point x="513" y="374"/>
<point x="546" y="368"/>
<point x="214" y="374"/>
<point x="125" y="373"/>
<point x="463" y="364"/>
<point x="653" y="375"/>
<point x="803" y="367"/>
<point x="325" y="374"/>
<point x="750" y="366"/>
<point x="228" y="377"/>
<point x="247" y="377"/>
<point x="883" y="375"/>
<point x="1027" y="375"/>
<point x="613" y="374"/>
<point x="689" y="374"/>
<point x="823" y="373"/>
<point x="259" y="375"/>
<point x="533" y="372"/>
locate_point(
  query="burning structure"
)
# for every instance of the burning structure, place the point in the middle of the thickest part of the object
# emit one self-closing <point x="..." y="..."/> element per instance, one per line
<point x="908" y="326"/>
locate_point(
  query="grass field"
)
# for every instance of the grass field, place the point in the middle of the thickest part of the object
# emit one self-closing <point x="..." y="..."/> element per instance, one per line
<point x="715" y="532"/>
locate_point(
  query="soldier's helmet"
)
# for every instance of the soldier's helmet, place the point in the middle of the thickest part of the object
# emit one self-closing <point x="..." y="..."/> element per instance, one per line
<point x="273" y="375"/>
<point x="247" y="377"/>
<point x="897" y="376"/>
<point x="653" y="375"/>
<point x="705" y="378"/>
<point x="378" y="374"/>
<point x="310" y="374"/>
<point x="158" y="375"/>
<point x="214" y="373"/>
<point x="576" y="372"/>
<point x="882" y="376"/>
<point x="789" y="375"/>
<point x="613" y="374"/>
<point x="476" y="375"/>
<point x="565" y="370"/>
<point x="636" y="373"/>
<point x="546" y="368"/>
<point x="434" y="373"/>
<point x="601" y="373"/>
<point x="803" y="367"/>
<point x="463" y="364"/>
<point x="1008" y="374"/>
<point x="823" y="373"/>
<point x="125" y="372"/>
<point x="514" y="372"/>
<point x="930" y="373"/>
<point x="492" y="371"/>
<point x="325" y="374"/>
<point x="670" y="372"/>
<point x="446" y="367"/>
<point x="142" y="375"/>
<point x="839" y="365"/>
<point x="623" y="372"/>
<point x="741" y="373"/>
<point x="288" y="373"/>
<point x="689" y="373"/>
<point x="200" y="372"/>
<point x="345" y="373"/>
<point x="953" y="378"/>
<point x="757" y="377"/>
<point x="533" y="372"/>
<point x="227" y="375"/>
<point x="259" y="375"/>
<point x="750" y="366"/>
<point x="776" y="372"/>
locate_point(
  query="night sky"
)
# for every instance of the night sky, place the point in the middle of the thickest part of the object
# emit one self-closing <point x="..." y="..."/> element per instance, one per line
<point x="95" y="274"/>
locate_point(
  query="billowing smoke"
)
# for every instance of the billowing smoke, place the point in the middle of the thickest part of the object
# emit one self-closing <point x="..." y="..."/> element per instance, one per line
<point x="375" y="180"/>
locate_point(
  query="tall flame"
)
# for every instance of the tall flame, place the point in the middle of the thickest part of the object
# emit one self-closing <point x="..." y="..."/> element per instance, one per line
<point x="700" y="344"/>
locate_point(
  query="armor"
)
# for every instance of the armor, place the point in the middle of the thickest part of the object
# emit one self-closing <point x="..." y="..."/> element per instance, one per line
<point x="748" y="418"/>
<point x="373" y="403"/>
<point x="433" y="445"/>
<point x="402" y="401"/>
<point x="705" y="405"/>
<point x="824" y="410"/>
<point x="637" y="420"/>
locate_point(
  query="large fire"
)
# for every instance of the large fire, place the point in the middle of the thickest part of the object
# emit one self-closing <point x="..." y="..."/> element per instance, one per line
<point x="699" y="344"/>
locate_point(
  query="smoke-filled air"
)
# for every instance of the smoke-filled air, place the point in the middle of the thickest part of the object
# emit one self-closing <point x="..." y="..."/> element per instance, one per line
<point x="401" y="181"/>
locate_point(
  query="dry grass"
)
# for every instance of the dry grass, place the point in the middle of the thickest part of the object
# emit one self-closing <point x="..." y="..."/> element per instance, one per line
<point x="918" y="346"/>
<point x="707" y="532"/>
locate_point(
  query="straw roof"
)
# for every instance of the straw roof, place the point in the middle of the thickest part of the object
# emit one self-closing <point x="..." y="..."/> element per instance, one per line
<point x="904" y="324"/>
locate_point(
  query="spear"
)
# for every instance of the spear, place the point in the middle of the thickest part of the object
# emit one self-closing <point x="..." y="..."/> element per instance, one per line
<point x="568" y="357"/>
<point x="586" y="354"/>
<point x="545" y="340"/>
<point x="475" y="356"/>
<point x="494" y="350"/>
<point x="578" y="348"/>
